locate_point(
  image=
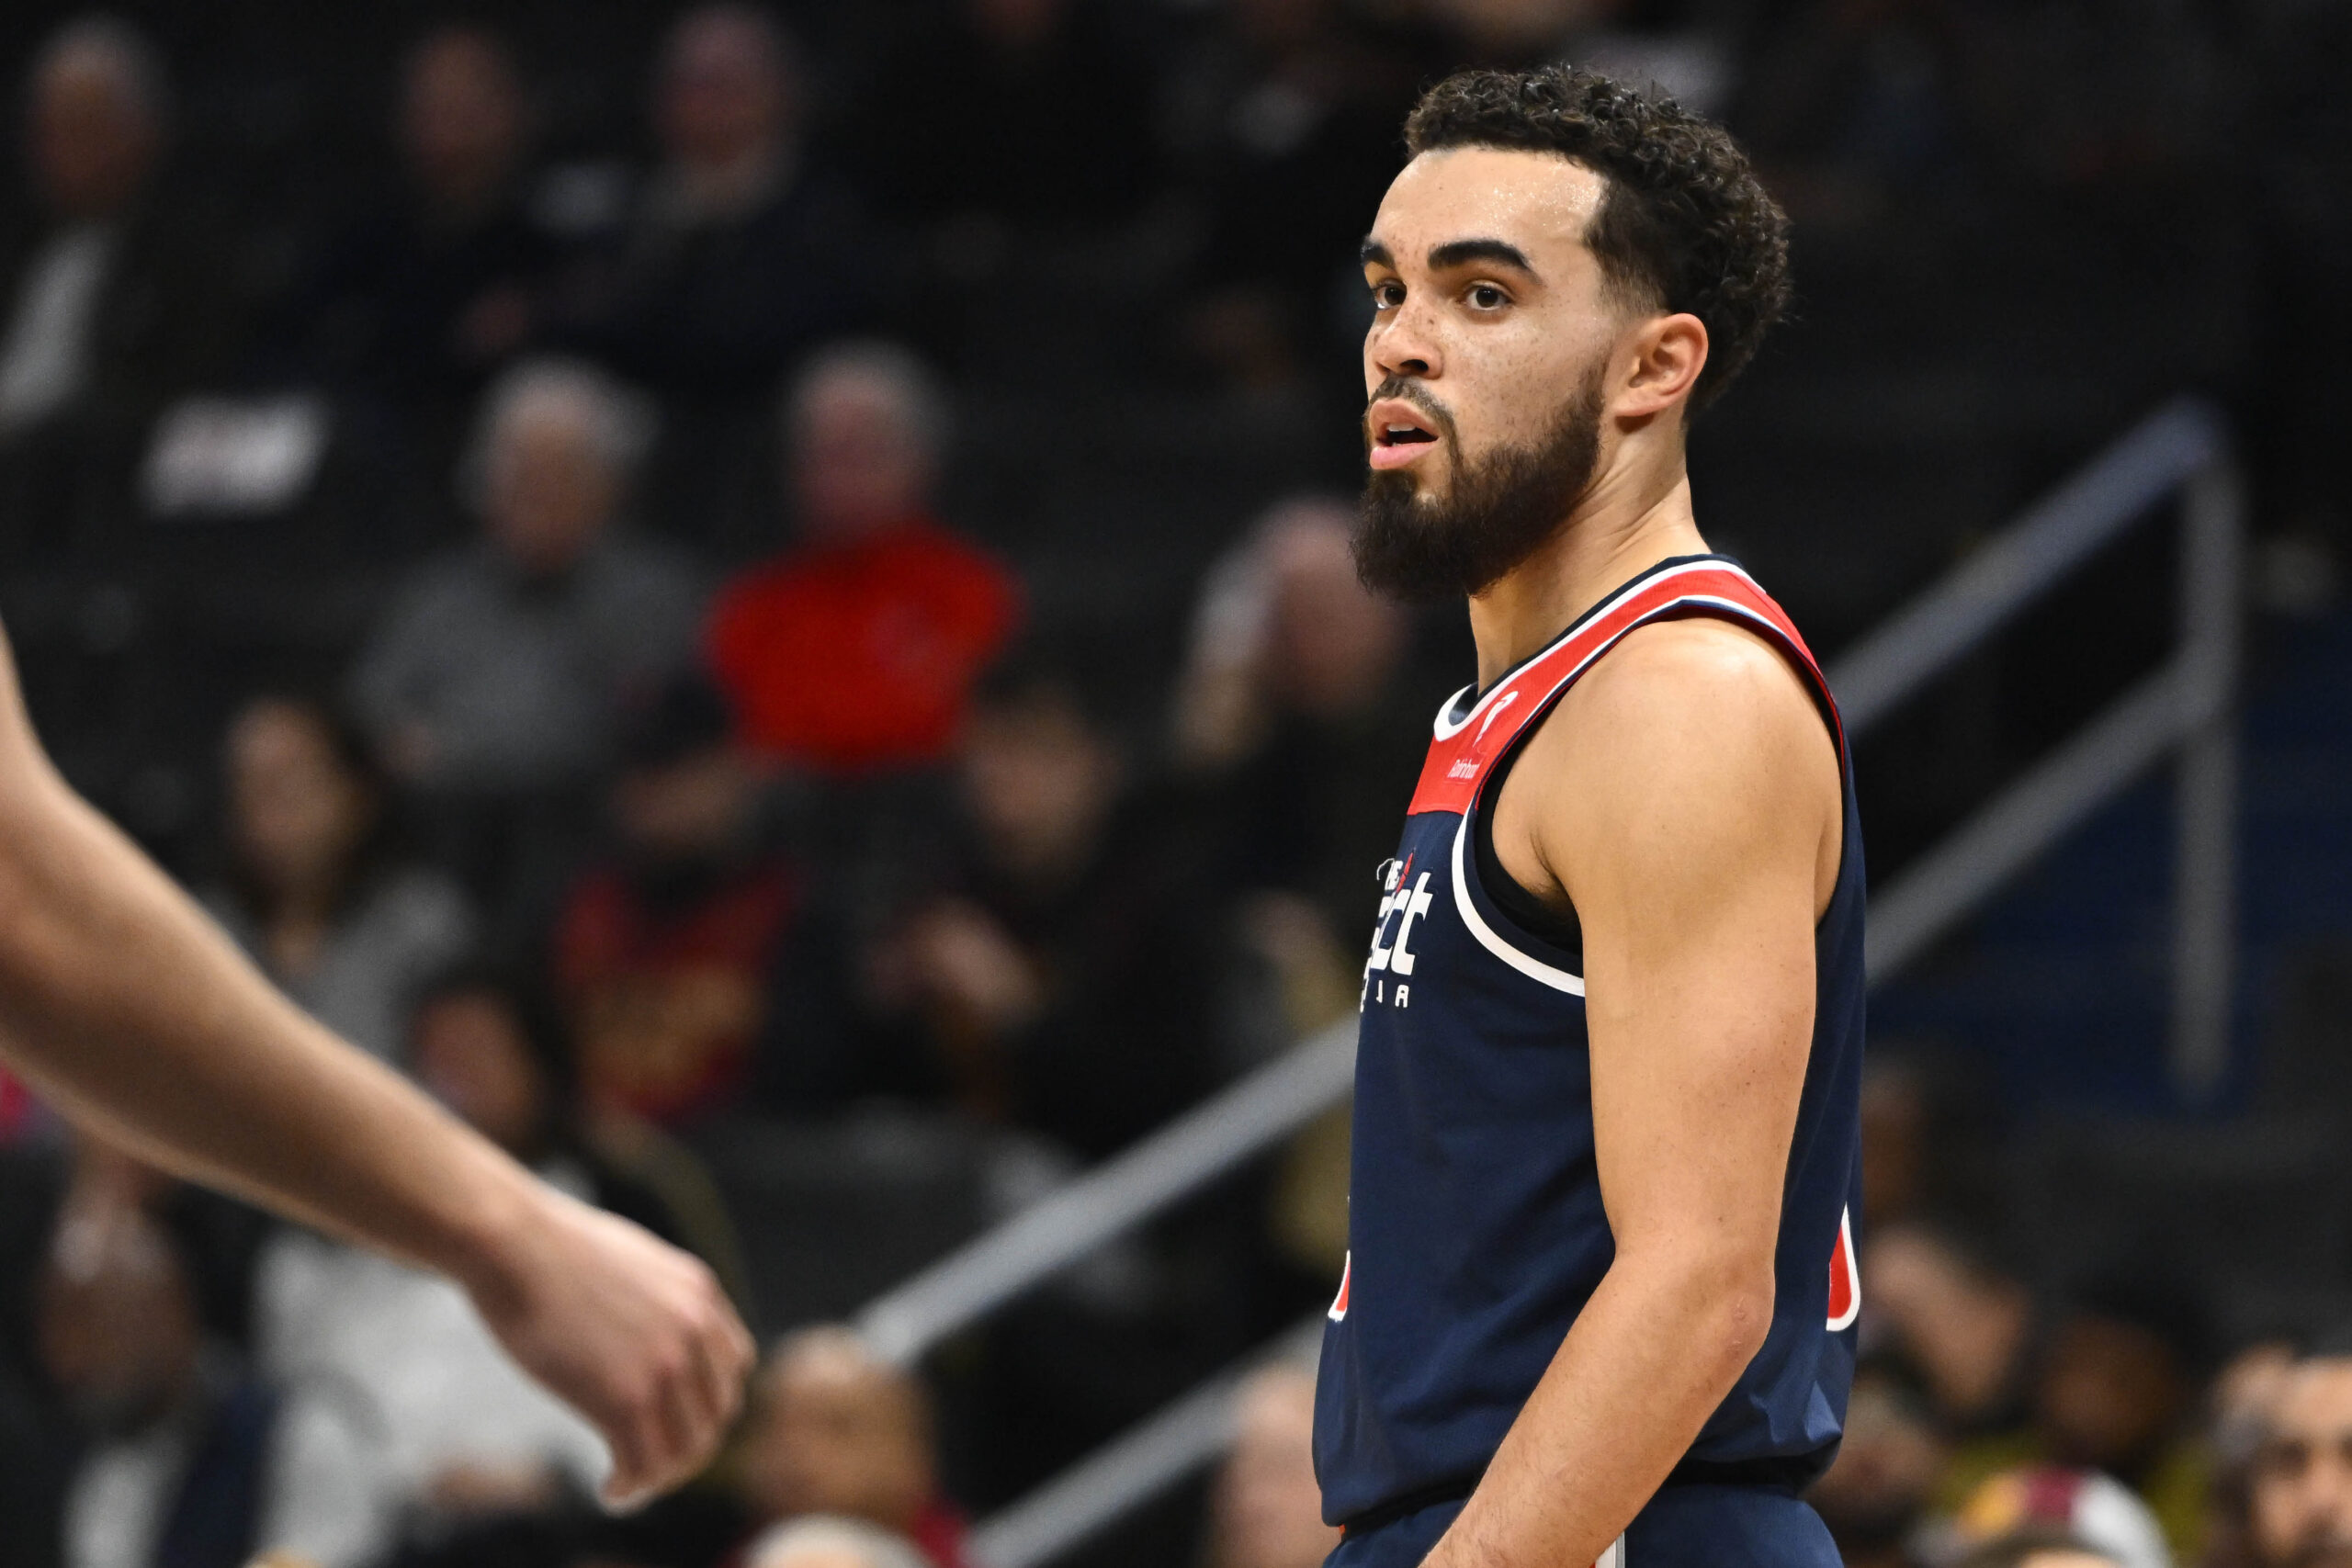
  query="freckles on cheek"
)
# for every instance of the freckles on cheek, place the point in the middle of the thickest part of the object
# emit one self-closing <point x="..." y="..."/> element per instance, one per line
<point x="1512" y="390"/>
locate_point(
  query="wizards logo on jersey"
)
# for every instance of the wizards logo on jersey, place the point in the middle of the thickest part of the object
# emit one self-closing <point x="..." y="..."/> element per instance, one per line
<point x="1404" y="900"/>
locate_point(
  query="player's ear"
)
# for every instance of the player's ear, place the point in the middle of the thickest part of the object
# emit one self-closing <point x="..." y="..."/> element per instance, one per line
<point x="1668" y="354"/>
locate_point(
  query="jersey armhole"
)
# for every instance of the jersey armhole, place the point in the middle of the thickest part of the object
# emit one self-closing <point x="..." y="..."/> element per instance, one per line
<point x="1564" y="932"/>
<point x="1554" y="927"/>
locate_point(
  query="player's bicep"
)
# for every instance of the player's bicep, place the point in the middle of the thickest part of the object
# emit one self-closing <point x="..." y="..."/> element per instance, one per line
<point x="29" y="784"/>
<point x="1689" y="839"/>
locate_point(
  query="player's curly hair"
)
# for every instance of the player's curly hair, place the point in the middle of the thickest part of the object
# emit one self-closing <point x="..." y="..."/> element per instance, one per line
<point x="1684" y="223"/>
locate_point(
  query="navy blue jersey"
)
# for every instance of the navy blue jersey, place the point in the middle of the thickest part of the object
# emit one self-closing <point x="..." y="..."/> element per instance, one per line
<point x="1475" y="1227"/>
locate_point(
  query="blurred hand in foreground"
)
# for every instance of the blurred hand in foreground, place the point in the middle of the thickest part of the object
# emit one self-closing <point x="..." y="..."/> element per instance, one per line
<point x="635" y="1334"/>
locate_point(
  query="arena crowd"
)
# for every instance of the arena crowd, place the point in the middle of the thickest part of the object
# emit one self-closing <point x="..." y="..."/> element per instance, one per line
<point x="759" y="600"/>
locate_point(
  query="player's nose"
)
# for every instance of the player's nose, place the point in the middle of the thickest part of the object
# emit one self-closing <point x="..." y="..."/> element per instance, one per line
<point x="1402" y="346"/>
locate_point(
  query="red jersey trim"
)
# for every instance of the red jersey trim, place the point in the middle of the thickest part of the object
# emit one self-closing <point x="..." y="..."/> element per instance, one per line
<point x="1463" y="750"/>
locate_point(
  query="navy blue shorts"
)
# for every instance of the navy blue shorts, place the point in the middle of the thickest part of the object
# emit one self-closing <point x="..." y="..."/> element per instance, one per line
<point x="1684" y="1527"/>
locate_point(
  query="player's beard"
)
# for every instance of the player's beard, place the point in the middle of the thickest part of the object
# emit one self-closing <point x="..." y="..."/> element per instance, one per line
<point x="1494" y="513"/>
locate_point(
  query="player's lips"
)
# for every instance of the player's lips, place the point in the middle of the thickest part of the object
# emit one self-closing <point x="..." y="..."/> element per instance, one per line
<point x="1400" y="432"/>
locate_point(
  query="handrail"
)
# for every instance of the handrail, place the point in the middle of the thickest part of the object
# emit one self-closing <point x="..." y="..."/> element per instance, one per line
<point x="1132" y="1467"/>
<point x="1999" y="840"/>
<point x="2182" y="447"/>
<point x="1189" y="1153"/>
<point x="2103" y="500"/>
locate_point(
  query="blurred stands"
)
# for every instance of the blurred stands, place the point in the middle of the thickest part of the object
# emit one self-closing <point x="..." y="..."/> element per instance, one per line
<point x="263" y="270"/>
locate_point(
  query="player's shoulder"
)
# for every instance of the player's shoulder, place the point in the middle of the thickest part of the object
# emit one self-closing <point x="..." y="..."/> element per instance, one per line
<point x="1690" y="719"/>
<point x="1698" y="671"/>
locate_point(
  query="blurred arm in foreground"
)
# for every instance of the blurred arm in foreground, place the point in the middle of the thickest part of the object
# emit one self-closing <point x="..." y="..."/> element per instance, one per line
<point x="134" y="1014"/>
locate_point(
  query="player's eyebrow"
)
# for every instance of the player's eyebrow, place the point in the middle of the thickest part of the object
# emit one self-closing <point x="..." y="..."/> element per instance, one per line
<point x="1372" y="253"/>
<point x="1462" y="252"/>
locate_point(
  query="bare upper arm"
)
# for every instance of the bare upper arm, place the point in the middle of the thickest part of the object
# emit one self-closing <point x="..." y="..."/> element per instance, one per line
<point x="1685" y="796"/>
<point x="1698" y="712"/>
<point x="23" y="765"/>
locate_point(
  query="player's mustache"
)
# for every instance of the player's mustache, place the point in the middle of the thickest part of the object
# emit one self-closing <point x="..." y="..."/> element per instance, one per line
<point x="1405" y="389"/>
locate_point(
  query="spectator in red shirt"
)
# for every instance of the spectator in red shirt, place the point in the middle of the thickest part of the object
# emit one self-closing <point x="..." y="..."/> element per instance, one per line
<point x="664" y="952"/>
<point x="671" y="951"/>
<point x="852" y="651"/>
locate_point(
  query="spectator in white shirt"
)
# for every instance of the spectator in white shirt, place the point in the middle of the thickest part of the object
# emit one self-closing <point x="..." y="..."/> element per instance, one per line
<point x="192" y="1459"/>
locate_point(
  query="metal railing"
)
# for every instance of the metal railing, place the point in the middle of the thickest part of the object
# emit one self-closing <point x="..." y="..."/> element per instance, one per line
<point x="1206" y="1142"/>
<point x="2183" y="449"/>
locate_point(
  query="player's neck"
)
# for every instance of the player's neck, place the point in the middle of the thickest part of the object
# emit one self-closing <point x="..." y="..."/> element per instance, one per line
<point x="1627" y="523"/>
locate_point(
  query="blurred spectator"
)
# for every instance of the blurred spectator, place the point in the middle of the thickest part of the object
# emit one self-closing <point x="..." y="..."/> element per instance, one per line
<point x="666" y="954"/>
<point x="193" y="1463"/>
<point x="23" y="1117"/>
<point x="743" y="253"/>
<point x="2243" y="1394"/>
<point x="2300" y="141"/>
<point x="495" y="676"/>
<point x="1289" y="115"/>
<point x="1012" y="115"/>
<point x="35" y="1446"/>
<point x="2024" y="166"/>
<point x="1931" y="1135"/>
<point x="1953" y="1311"/>
<point x="2056" y="1510"/>
<point x="1895" y="1154"/>
<point x="1298" y="711"/>
<point x="315" y="892"/>
<point x="1067" y="975"/>
<point x="1914" y="1113"/>
<point x="2038" y="1549"/>
<point x="1266" y="1510"/>
<point x="824" y="1542"/>
<point x="489" y="1047"/>
<point x="218" y="1238"/>
<point x="2117" y="1390"/>
<point x="2298" y="1502"/>
<point x="2245" y="1391"/>
<point x="470" y="1435"/>
<point x="434" y="289"/>
<point x="854" y="650"/>
<point x="1671" y="49"/>
<point x="1875" y="1496"/>
<point x="837" y="1431"/>
<point x="671" y="955"/>
<point x="114" y="297"/>
<point x="111" y="297"/>
<point x="1853" y="109"/>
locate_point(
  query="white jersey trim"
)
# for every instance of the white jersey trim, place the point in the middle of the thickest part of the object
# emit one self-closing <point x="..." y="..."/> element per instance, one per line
<point x="1533" y="969"/>
<point x="1447" y="727"/>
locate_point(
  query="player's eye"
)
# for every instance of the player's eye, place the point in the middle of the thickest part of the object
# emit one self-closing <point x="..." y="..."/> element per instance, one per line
<point x="1486" y="297"/>
<point x="1387" y="295"/>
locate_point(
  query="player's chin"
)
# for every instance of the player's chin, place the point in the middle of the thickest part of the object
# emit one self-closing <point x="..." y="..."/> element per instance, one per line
<point x="1420" y="486"/>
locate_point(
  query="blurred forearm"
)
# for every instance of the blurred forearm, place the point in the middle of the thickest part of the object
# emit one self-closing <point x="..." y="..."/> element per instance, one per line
<point x="122" y="1002"/>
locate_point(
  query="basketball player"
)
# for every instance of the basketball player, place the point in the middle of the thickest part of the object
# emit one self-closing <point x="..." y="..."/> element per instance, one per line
<point x="132" y="1012"/>
<point x="1599" y="1291"/>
